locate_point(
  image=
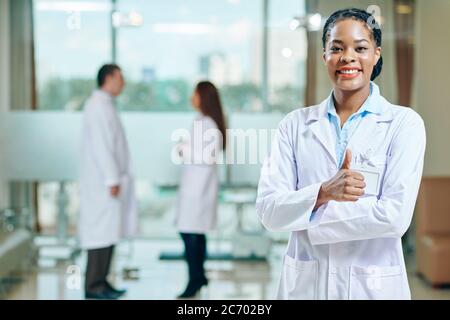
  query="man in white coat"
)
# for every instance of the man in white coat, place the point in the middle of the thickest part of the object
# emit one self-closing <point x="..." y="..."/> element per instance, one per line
<point x="108" y="205"/>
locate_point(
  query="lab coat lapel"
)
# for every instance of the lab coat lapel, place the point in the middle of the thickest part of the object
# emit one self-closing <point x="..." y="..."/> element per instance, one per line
<point x="369" y="131"/>
<point x="366" y="134"/>
<point x="320" y="126"/>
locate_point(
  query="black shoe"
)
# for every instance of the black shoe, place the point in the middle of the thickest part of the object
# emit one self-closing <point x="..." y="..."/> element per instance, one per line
<point x="193" y="288"/>
<point x="114" y="291"/>
<point x="105" y="295"/>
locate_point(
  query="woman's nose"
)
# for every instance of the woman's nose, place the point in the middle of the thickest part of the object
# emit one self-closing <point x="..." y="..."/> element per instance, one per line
<point x="347" y="58"/>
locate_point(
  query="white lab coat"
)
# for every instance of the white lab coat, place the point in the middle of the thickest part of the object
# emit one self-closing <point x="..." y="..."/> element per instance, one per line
<point x="105" y="162"/>
<point x="196" y="210"/>
<point x="349" y="250"/>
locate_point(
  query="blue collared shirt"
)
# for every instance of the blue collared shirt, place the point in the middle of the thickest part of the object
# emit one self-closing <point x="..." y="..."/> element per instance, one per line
<point x="344" y="134"/>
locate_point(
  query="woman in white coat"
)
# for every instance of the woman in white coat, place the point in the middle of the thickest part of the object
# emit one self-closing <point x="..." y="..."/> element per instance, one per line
<point x="343" y="177"/>
<point x="108" y="205"/>
<point x="199" y="184"/>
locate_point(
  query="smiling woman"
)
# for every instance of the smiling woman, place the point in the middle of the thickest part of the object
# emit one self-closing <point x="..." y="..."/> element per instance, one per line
<point x="352" y="50"/>
<point x="348" y="197"/>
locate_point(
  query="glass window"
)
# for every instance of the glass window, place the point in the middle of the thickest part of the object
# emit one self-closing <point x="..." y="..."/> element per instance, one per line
<point x="180" y="43"/>
<point x="287" y="51"/>
<point x="72" y="39"/>
<point x="174" y="45"/>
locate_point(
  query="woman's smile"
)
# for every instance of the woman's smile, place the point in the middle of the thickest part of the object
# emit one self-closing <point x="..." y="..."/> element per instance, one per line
<point x="348" y="72"/>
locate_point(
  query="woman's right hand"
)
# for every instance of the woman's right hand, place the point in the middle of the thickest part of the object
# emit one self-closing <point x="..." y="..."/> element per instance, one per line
<point x="346" y="185"/>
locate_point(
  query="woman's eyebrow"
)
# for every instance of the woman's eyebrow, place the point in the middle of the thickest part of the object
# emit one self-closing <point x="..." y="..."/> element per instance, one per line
<point x="356" y="41"/>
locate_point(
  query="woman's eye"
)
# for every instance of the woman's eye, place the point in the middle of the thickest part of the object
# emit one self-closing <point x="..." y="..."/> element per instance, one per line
<point x="361" y="49"/>
<point x="335" y="49"/>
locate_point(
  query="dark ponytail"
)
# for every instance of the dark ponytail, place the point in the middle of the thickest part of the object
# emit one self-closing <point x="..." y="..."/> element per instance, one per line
<point x="360" y="15"/>
<point x="377" y="69"/>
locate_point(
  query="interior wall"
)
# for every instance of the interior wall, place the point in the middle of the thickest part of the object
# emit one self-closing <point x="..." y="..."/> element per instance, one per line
<point x="386" y="80"/>
<point x="4" y="83"/>
<point x="431" y="94"/>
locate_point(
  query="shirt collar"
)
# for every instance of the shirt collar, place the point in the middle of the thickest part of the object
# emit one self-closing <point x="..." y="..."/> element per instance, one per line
<point x="369" y="105"/>
<point x="104" y="94"/>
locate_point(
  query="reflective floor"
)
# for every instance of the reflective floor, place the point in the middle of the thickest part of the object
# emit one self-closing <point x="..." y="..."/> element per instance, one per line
<point x="164" y="279"/>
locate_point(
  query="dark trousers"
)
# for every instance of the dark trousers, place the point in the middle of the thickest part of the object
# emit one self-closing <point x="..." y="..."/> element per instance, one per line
<point x="195" y="255"/>
<point x="98" y="264"/>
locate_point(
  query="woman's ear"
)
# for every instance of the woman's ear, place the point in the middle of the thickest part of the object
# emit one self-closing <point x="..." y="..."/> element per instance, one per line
<point x="377" y="55"/>
<point x="323" y="57"/>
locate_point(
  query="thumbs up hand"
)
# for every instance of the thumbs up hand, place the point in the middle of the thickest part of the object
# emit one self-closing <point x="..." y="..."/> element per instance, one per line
<point x="346" y="185"/>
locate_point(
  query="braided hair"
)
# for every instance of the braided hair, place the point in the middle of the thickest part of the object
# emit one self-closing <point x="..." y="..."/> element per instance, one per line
<point x="359" y="15"/>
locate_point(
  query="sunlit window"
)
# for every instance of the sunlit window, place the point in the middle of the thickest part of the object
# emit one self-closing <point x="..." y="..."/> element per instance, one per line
<point x="72" y="39"/>
<point x="182" y="42"/>
<point x="165" y="47"/>
<point x="286" y="56"/>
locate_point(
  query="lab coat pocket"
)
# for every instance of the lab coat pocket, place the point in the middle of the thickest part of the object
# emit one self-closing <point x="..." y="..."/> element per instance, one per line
<point x="376" y="283"/>
<point x="298" y="279"/>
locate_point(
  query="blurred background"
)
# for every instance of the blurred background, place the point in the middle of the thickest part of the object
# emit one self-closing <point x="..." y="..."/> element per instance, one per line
<point x="265" y="58"/>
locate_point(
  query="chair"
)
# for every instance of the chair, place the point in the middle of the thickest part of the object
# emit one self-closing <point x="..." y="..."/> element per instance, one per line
<point x="433" y="230"/>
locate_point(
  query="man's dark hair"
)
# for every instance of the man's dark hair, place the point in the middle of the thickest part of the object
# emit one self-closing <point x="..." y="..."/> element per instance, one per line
<point x="106" y="70"/>
<point x="359" y="15"/>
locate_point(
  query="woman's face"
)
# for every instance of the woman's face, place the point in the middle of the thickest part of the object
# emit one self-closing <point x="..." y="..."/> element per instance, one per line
<point x="350" y="55"/>
<point x="195" y="100"/>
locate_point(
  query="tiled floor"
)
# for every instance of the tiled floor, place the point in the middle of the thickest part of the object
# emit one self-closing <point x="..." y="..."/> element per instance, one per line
<point x="165" y="279"/>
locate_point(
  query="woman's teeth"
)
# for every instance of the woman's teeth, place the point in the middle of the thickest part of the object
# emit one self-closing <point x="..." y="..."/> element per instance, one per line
<point x="348" y="71"/>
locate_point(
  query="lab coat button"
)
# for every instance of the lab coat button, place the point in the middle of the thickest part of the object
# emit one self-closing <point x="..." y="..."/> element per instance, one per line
<point x="333" y="270"/>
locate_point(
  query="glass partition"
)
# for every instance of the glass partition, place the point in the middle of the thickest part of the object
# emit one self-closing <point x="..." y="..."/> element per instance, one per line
<point x="164" y="48"/>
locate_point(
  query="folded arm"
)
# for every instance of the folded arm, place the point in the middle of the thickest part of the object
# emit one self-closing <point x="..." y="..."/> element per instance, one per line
<point x="280" y="205"/>
<point x="391" y="214"/>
